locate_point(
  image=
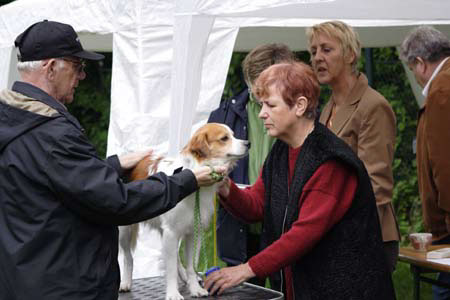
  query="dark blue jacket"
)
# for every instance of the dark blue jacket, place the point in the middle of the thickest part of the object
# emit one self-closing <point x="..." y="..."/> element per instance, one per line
<point x="232" y="233"/>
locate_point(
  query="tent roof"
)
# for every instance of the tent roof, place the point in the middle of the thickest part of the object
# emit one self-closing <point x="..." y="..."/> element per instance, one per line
<point x="170" y="58"/>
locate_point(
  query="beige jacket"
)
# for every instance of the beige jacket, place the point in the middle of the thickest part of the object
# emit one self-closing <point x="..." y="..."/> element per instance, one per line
<point x="367" y="123"/>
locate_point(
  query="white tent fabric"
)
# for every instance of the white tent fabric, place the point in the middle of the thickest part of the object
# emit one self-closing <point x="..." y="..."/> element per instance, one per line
<point x="170" y="58"/>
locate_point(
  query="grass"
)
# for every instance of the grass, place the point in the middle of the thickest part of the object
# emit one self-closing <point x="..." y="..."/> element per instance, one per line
<point x="403" y="283"/>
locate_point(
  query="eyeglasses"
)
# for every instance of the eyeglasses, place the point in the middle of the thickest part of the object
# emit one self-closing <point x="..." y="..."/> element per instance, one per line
<point x="78" y="65"/>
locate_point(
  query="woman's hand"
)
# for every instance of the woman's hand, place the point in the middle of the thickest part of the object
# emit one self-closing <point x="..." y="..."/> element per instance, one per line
<point x="209" y="175"/>
<point x="130" y="160"/>
<point x="223" y="189"/>
<point x="225" y="278"/>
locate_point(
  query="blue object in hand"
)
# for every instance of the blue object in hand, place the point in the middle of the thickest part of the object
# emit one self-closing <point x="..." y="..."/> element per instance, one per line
<point x="210" y="270"/>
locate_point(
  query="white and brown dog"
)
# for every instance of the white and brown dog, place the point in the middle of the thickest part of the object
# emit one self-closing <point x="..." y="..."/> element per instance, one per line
<point x="212" y="144"/>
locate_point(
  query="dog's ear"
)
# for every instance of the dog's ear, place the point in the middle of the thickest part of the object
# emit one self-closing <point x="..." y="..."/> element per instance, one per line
<point x="198" y="145"/>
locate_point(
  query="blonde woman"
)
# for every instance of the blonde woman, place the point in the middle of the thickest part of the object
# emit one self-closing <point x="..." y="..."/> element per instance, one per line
<point x="359" y="115"/>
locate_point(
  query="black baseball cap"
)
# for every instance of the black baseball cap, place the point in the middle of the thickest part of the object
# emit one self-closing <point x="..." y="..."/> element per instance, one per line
<point x="48" y="39"/>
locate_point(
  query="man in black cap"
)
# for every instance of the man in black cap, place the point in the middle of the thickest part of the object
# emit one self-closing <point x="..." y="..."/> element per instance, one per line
<point x="60" y="203"/>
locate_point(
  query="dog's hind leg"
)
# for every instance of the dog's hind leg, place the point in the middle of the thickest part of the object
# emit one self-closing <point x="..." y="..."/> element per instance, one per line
<point x="125" y="246"/>
<point x="192" y="278"/>
<point x="170" y="244"/>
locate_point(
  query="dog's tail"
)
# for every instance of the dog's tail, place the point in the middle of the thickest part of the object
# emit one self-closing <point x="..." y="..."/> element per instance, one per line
<point x="146" y="167"/>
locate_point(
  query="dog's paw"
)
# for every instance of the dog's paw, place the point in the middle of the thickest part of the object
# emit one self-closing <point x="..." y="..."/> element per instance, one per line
<point x="198" y="291"/>
<point x="125" y="286"/>
<point x="174" y="295"/>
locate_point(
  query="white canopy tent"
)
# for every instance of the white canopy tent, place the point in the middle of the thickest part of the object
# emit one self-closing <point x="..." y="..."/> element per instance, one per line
<point x="170" y="58"/>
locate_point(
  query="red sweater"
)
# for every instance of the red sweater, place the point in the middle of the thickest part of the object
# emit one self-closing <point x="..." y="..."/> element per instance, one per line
<point x="334" y="184"/>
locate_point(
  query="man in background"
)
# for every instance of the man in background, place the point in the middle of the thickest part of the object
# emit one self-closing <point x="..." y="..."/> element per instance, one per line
<point x="427" y="51"/>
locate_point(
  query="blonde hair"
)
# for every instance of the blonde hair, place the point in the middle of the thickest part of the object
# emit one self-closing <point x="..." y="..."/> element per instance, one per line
<point x="342" y="32"/>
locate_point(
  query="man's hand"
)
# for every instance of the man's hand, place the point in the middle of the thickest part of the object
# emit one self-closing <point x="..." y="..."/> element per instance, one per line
<point x="447" y="221"/>
<point x="130" y="160"/>
<point x="225" y="278"/>
<point x="208" y="175"/>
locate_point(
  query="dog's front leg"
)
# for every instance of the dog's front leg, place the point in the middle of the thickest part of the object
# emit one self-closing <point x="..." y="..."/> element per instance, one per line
<point x="170" y="249"/>
<point x="192" y="279"/>
<point x="125" y="233"/>
<point x="181" y="270"/>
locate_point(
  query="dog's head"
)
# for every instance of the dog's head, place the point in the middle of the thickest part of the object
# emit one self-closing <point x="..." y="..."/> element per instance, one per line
<point x="214" y="144"/>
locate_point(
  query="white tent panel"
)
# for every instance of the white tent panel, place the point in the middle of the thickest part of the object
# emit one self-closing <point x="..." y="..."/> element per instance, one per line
<point x="7" y="64"/>
<point x="414" y="10"/>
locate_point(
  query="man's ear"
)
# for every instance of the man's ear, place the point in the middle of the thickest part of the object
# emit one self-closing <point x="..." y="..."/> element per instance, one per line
<point x="421" y="65"/>
<point x="49" y="67"/>
<point x="300" y="106"/>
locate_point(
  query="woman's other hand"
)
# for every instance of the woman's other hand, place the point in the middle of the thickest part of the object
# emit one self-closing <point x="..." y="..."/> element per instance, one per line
<point x="219" y="281"/>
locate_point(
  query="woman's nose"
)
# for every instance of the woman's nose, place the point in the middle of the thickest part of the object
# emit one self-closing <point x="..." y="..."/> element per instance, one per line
<point x="317" y="56"/>
<point x="262" y="113"/>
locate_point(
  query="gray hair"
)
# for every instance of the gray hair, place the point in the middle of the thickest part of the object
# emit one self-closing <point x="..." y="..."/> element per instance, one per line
<point x="28" y="66"/>
<point x="425" y="42"/>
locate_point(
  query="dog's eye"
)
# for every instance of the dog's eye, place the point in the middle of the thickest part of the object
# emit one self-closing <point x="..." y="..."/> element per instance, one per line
<point x="224" y="139"/>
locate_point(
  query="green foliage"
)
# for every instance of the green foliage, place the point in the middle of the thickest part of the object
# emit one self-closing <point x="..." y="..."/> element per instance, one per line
<point x="403" y="283"/>
<point x="3" y="2"/>
<point x="235" y="80"/>
<point x="91" y="105"/>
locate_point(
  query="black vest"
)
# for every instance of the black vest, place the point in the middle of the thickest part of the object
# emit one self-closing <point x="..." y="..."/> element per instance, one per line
<point x="348" y="262"/>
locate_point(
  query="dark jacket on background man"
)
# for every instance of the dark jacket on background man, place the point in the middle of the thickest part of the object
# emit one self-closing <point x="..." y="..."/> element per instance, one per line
<point x="232" y="233"/>
<point x="60" y="203"/>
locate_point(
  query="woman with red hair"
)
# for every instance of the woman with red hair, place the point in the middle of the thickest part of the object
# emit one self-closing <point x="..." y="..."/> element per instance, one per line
<point x="321" y="235"/>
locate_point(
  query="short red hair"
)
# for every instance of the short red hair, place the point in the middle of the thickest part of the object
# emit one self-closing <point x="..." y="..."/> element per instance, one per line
<point x="292" y="80"/>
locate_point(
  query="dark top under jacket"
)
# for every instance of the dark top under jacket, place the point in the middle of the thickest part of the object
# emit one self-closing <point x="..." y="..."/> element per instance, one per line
<point x="60" y="203"/>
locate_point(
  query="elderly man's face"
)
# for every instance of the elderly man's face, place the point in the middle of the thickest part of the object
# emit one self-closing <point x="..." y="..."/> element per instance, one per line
<point x="419" y="69"/>
<point x="70" y="72"/>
